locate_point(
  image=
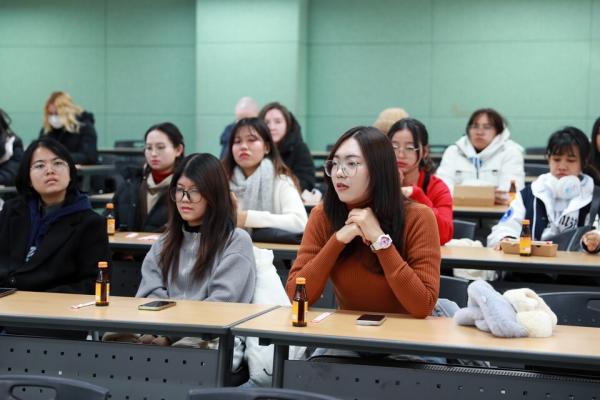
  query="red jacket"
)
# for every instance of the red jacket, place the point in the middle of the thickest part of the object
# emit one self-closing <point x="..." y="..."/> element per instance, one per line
<point x="439" y="199"/>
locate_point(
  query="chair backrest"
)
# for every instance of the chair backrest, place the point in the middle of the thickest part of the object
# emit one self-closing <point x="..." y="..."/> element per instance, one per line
<point x="455" y="289"/>
<point x="535" y="150"/>
<point x="254" y="394"/>
<point x="136" y="143"/>
<point x="29" y="387"/>
<point x="575" y="308"/>
<point x="533" y="169"/>
<point x="464" y="229"/>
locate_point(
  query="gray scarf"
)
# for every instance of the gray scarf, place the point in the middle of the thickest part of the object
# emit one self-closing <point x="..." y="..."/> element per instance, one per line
<point x="256" y="191"/>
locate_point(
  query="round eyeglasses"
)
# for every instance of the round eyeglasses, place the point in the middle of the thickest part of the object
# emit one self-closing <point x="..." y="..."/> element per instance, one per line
<point x="178" y="194"/>
<point x="348" y="168"/>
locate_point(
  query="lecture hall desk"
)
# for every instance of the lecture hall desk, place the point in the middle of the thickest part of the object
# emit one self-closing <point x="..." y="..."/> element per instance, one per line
<point x="136" y="371"/>
<point x="575" y="348"/>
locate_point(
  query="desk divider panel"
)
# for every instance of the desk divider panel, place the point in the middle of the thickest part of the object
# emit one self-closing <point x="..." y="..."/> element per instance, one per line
<point x="429" y="381"/>
<point x="130" y="371"/>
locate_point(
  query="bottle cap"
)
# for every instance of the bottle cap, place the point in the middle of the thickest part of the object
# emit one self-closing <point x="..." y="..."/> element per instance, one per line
<point x="525" y="222"/>
<point x="110" y="205"/>
<point x="300" y="281"/>
<point x="102" y="264"/>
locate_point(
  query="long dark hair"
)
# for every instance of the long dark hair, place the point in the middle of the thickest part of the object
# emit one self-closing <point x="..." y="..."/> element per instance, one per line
<point x="595" y="158"/>
<point x="384" y="194"/>
<point x="23" y="179"/>
<point x="420" y="138"/>
<point x="260" y="127"/>
<point x="175" y="137"/>
<point x="218" y="221"/>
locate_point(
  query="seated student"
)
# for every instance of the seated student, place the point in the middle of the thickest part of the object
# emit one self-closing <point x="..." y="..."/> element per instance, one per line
<point x="381" y="252"/>
<point x="485" y="155"/>
<point x="202" y="255"/>
<point x="389" y="117"/>
<point x="287" y="135"/>
<point x="73" y="127"/>
<point x="141" y="202"/>
<point x="410" y="142"/>
<point x="246" y="107"/>
<point x="556" y="201"/>
<point x="50" y="238"/>
<point x="265" y="188"/>
<point x="11" y="151"/>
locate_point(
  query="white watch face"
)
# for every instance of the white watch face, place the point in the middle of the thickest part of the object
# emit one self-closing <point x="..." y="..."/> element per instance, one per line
<point x="382" y="242"/>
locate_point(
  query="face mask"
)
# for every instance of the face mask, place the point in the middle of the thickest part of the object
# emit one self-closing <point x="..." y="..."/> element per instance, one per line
<point x="567" y="187"/>
<point x="54" y="121"/>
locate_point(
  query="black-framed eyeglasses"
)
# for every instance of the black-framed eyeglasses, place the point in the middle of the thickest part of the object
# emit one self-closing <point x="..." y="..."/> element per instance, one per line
<point x="177" y="194"/>
<point x="348" y="168"/>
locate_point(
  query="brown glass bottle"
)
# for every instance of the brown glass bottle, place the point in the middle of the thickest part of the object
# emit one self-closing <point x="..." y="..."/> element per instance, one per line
<point x="300" y="303"/>
<point x="512" y="192"/>
<point x="525" y="239"/>
<point x="102" y="284"/>
<point x="110" y="219"/>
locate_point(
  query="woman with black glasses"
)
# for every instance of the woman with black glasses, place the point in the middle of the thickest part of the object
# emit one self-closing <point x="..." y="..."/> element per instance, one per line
<point x="202" y="255"/>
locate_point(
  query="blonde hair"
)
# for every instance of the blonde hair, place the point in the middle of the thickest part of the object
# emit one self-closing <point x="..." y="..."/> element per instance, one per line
<point x="388" y="117"/>
<point x="66" y="110"/>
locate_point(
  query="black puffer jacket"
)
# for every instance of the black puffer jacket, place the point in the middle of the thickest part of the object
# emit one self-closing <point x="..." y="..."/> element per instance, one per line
<point x="297" y="157"/>
<point x="82" y="145"/>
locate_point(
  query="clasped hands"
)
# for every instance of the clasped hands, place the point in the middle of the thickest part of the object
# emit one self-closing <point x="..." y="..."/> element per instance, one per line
<point x="361" y="222"/>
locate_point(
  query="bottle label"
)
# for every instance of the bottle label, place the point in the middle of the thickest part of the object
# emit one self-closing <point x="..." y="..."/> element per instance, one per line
<point x="525" y="245"/>
<point x="295" y="311"/>
<point x="100" y="296"/>
<point x="110" y="226"/>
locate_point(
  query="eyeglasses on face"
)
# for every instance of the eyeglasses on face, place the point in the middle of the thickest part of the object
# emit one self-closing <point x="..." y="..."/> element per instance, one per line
<point x="178" y="194"/>
<point x="55" y="165"/>
<point x="348" y="168"/>
<point x="410" y="149"/>
<point x="485" y="127"/>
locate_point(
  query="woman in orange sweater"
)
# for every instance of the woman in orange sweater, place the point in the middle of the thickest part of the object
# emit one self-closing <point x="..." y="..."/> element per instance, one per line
<point x="381" y="251"/>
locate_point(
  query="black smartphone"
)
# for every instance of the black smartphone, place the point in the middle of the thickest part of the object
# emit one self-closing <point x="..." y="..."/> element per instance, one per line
<point x="5" y="291"/>
<point x="156" y="305"/>
<point x="370" y="319"/>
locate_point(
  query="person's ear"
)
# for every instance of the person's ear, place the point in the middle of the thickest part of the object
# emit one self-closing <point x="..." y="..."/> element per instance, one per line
<point x="267" y="149"/>
<point x="179" y="150"/>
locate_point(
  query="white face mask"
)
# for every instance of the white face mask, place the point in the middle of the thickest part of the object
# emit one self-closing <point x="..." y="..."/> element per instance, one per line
<point x="54" y="121"/>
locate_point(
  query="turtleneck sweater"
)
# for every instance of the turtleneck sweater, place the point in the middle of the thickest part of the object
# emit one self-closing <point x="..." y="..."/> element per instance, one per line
<point x="408" y="284"/>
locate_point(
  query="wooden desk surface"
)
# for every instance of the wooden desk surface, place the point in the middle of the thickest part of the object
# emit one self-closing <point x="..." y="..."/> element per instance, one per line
<point x="568" y="262"/>
<point x="399" y="333"/>
<point x="53" y="310"/>
<point x="143" y="241"/>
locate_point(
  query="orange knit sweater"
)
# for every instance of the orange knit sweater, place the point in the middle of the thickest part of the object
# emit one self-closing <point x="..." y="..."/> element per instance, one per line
<point x="408" y="285"/>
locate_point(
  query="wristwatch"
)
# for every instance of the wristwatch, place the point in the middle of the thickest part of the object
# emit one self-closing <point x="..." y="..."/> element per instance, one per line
<point x="382" y="242"/>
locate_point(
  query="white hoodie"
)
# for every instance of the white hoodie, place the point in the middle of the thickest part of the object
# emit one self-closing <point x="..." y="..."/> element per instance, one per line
<point x="496" y="165"/>
<point x="562" y="214"/>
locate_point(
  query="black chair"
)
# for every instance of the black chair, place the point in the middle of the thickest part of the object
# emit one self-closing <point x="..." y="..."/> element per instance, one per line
<point x="535" y="150"/>
<point x="533" y="169"/>
<point x="254" y="394"/>
<point x="30" y="387"/>
<point x="464" y="229"/>
<point x="135" y="144"/>
<point x="575" y="308"/>
<point x="455" y="289"/>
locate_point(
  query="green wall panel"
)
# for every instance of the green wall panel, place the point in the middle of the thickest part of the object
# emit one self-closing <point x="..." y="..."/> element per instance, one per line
<point x="157" y="22"/>
<point x="594" y="92"/>
<point x="595" y="19"/>
<point x="133" y="127"/>
<point x="33" y="23"/>
<point x="360" y="80"/>
<point x="485" y="20"/>
<point x="537" y="79"/>
<point x="359" y="21"/>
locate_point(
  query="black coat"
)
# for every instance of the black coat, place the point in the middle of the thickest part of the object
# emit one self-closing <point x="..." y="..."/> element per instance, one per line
<point x="9" y="168"/>
<point x="67" y="258"/>
<point x="82" y="145"/>
<point x="297" y="157"/>
<point x="127" y="208"/>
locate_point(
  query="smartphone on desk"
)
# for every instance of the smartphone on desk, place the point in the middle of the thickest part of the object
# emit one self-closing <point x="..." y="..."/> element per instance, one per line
<point x="156" y="305"/>
<point x="5" y="291"/>
<point x="370" y="319"/>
